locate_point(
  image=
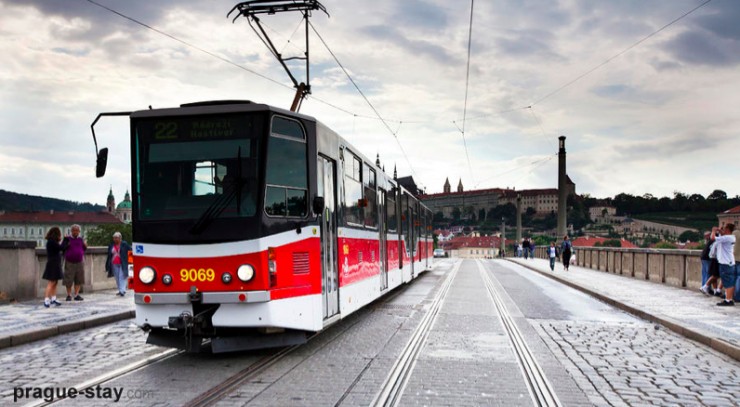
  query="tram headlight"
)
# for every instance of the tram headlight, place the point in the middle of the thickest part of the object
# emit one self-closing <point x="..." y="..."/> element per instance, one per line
<point x="147" y="275"/>
<point x="245" y="272"/>
<point x="226" y="277"/>
<point x="167" y="279"/>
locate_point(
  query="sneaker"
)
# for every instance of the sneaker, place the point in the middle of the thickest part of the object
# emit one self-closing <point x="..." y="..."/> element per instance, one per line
<point x="55" y="302"/>
<point x="46" y="304"/>
<point x="705" y="290"/>
<point x="78" y="298"/>
<point x="718" y="294"/>
<point x="726" y="303"/>
<point x="69" y="298"/>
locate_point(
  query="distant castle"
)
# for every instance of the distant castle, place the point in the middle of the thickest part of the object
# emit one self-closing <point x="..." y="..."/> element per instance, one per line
<point x="123" y="210"/>
<point x="543" y="201"/>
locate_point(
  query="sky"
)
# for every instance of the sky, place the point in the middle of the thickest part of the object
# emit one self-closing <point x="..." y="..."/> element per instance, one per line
<point x="645" y="108"/>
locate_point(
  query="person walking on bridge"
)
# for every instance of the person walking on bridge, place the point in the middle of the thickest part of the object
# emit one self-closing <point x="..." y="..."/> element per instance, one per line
<point x="727" y="270"/>
<point x="53" y="270"/>
<point x="552" y="253"/>
<point x="566" y="249"/>
<point x="74" y="262"/>
<point x="116" y="264"/>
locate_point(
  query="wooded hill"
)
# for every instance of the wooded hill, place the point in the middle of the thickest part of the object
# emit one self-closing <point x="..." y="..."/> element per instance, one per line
<point x="11" y="201"/>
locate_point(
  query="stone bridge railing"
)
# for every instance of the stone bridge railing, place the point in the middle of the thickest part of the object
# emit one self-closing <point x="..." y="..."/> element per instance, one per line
<point x="22" y="264"/>
<point x="678" y="268"/>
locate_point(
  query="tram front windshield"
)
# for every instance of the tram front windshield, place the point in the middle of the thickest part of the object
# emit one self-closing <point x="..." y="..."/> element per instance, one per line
<point x="196" y="168"/>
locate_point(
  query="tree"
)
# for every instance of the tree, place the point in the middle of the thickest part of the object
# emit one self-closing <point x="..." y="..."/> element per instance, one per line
<point x="438" y="217"/>
<point x="717" y="195"/>
<point x="456" y="212"/>
<point x="102" y="235"/>
<point x="690" y="236"/>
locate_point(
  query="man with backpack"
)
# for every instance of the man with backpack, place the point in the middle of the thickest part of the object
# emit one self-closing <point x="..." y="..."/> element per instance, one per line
<point x="566" y="249"/>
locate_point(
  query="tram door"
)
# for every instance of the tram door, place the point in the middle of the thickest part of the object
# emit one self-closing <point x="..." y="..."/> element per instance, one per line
<point x="383" y="228"/>
<point x="330" y="278"/>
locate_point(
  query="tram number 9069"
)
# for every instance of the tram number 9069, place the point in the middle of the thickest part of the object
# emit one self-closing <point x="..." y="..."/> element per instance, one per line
<point x="199" y="275"/>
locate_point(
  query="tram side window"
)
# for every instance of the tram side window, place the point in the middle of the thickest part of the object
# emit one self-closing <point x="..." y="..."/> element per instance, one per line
<point x="392" y="223"/>
<point x="371" y="205"/>
<point x="406" y="221"/>
<point x="353" y="190"/>
<point x="287" y="170"/>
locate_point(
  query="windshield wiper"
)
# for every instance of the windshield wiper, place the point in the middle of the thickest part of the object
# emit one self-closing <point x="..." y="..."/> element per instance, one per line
<point x="233" y="190"/>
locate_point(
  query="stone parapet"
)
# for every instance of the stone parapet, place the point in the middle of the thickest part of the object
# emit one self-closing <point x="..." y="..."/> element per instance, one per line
<point x="677" y="268"/>
<point x="22" y="265"/>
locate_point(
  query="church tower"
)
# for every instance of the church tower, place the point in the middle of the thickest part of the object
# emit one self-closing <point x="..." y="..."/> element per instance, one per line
<point x="111" y="203"/>
<point x="459" y="186"/>
<point x="447" y="187"/>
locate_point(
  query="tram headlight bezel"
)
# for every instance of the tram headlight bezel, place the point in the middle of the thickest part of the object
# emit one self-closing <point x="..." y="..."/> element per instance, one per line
<point x="245" y="273"/>
<point x="147" y="275"/>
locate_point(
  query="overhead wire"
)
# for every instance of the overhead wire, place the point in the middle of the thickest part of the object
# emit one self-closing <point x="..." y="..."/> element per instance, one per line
<point x="467" y="86"/>
<point x="395" y="134"/>
<point x="608" y="60"/>
<point x="190" y="44"/>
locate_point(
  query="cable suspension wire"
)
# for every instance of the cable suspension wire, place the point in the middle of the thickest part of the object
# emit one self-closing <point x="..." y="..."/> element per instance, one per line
<point x="467" y="84"/>
<point x="395" y="135"/>
<point x="541" y="160"/>
<point x="190" y="44"/>
<point x="583" y="75"/>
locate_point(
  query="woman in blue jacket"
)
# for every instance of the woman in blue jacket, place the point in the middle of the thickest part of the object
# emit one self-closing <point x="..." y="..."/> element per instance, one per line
<point x="116" y="264"/>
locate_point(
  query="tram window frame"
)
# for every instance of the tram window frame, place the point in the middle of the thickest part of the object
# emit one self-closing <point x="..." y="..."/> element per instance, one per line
<point x="370" y="196"/>
<point x="391" y="213"/>
<point x="353" y="193"/>
<point x="278" y="126"/>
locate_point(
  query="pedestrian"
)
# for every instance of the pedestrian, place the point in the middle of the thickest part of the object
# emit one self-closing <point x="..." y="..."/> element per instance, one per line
<point x="566" y="248"/>
<point x="116" y="264"/>
<point x="706" y="261"/>
<point x="713" y="286"/>
<point x="531" y="249"/>
<point x="74" y="247"/>
<point x="519" y="250"/>
<point x="552" y="252"/>
<point x="726" y="258"/>
<point x="525" y="247"/>
<point x="53" y="270"/>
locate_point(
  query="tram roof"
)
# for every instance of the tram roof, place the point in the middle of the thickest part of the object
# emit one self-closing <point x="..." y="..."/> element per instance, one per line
<point x="216" y="106"/>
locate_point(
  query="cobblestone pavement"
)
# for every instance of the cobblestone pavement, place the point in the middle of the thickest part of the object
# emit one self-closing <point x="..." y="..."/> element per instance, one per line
<point x="625" y="361"/>
<point x="32" y="315"/>
<point x="691" y="308"/>
<point x="634" y="364"/>
<point x="71" y="359"/>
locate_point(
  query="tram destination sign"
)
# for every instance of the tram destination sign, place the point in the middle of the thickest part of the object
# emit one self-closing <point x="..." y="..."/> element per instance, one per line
<point x="195" y="128"/>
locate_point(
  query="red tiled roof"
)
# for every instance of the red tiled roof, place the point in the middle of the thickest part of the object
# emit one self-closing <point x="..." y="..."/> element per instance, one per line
<point x="590" y="241"/>
<point x="468" y="241"/>
<point x="732" y="211"/>
<point x="56" y="217"/>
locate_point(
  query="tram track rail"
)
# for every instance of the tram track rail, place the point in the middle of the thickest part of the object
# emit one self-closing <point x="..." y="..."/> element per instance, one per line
<point x="539" y="387"/>
<point x="232" y="384"/>
<point x="392" y="389"/>
<point x="112" y="375"/>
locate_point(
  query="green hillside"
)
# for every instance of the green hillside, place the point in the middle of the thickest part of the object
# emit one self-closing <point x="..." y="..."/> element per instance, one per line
<point x="696" y="220"/>
<point x="11" y="201"/>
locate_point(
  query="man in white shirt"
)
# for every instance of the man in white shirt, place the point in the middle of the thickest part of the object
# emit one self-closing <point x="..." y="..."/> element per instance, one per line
<point x="726" y="258"/>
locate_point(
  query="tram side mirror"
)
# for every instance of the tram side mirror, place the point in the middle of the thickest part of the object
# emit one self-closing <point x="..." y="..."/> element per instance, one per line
<point x="318" y="205"/>
<point x="102" y="162"/>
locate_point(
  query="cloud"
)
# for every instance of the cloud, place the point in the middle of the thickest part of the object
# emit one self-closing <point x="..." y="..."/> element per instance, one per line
<point x="396" y="38"/>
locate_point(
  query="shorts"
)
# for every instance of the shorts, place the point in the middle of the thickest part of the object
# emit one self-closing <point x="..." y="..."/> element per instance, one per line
<point x="74" y="273"/>
<point x="714" y="268"/>
<point x="728" y="274"/>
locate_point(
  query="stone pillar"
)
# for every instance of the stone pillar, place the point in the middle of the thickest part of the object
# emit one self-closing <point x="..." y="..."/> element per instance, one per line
<point x="18" y="273"/>
<point x="562" y="191"/>
<point x="503" y="237"/>
<point x="518" y="218"/>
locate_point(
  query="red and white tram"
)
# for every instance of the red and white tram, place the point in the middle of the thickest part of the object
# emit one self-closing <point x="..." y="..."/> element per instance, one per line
<point x="254" y="226"/>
